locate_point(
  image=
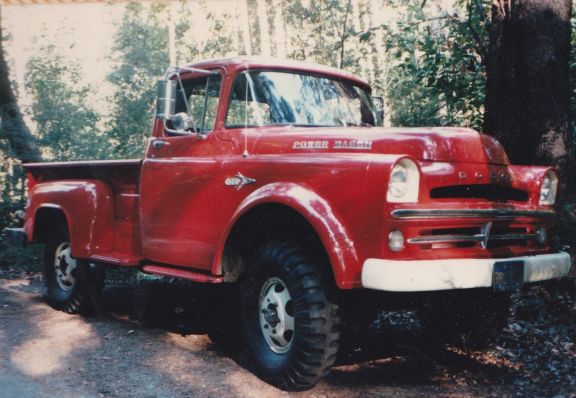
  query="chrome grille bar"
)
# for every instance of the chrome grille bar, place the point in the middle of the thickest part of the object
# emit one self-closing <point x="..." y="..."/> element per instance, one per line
<point x="431" y="239"/>
<point x="470" y="213"/>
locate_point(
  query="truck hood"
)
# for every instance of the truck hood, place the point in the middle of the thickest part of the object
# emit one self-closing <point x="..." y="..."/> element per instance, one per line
<point x="425" y="144"/>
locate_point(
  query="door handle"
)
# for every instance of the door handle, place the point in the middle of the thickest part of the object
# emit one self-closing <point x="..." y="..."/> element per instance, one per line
<point x="157" y="144"/>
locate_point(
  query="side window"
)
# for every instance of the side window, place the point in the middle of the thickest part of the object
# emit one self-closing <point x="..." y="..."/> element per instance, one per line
<point x="203" y="96"/>
<point x="247" y="107"/>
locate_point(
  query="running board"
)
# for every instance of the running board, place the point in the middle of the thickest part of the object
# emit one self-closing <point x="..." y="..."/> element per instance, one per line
<point x="181" y="274"/>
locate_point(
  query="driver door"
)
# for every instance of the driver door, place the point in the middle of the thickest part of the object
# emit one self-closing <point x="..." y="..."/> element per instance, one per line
<point x="179" y="183"/>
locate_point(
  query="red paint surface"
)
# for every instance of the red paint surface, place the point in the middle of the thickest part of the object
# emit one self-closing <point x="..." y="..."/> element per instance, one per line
<point x="176" y="210"/>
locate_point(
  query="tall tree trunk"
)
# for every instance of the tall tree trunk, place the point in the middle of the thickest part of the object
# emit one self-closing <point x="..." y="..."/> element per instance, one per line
<point x="12" y="126"/>
<point x="245" y="28"/>
<point x="279" y="29"/>
<point x="264" y="28"/>
<point x="528" y="95"/>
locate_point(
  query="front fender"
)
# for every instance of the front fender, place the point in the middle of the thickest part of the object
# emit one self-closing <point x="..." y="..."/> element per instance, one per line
<point x="322" y="217"/>
<point x="87" y="206"/>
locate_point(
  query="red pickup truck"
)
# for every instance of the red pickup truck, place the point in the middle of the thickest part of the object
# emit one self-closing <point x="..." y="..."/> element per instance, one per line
<point x="279" y="179"/>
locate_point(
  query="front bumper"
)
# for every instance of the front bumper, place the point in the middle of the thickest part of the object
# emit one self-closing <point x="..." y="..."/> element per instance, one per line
<point x="464" y="273"/>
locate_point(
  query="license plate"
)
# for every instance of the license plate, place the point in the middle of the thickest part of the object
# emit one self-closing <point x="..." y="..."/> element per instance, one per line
<point x="508" y="275"/>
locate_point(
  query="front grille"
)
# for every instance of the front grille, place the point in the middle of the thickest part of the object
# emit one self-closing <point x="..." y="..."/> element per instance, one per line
<point x="498" y="236"/>
<point x="491" y="192"/>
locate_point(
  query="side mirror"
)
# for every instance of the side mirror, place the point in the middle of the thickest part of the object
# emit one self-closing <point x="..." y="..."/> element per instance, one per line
<point x="182" y="122"/>
<point x="379" y="103"/>
<point x="165" y="99"/>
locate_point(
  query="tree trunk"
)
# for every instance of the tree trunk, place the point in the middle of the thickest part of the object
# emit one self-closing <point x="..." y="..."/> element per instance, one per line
<point x="264" y="28"/>
<point x="527" y="93"/>
<point x="245" y="28"/>
<point x="279" y="29"/>
<point x="12" y="126"/>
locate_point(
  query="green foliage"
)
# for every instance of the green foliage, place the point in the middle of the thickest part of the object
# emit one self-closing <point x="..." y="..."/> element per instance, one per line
<point x="67" y="124"/>
<point x="435" y="69"/>
<point x="218" y="43"/>
<point x="321" y="31"/>
<point x="12" y="191"/>
<point x="12" y="199"/>
<point x="432" y="72"/>
<point x="141" y="54"/>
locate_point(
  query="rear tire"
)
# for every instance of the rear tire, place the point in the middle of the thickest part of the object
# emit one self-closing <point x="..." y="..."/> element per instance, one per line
<point x="72" y="285"/>
<point x="291" y="325"/>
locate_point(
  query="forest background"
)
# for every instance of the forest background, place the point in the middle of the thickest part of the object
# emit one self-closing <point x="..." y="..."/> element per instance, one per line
<point x="503" y="67"/>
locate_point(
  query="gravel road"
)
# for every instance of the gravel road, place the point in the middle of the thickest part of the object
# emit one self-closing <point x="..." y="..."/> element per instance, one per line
<point x="134" y="348"/>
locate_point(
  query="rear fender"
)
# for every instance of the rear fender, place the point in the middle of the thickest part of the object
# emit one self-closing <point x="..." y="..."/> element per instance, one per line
<point x="87" y="207"/>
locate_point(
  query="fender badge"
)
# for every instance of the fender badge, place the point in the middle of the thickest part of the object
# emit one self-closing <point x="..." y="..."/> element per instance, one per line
<point x="238" y="181"/>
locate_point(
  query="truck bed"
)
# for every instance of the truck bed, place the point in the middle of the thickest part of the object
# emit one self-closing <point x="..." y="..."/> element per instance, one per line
<point x="123" y="178"/>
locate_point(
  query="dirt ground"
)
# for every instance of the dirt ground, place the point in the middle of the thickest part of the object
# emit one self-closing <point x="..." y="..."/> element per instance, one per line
<point x="134" y="348"/>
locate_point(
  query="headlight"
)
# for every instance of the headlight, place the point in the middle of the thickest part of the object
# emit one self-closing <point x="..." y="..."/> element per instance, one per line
<point x="548" y="188"/>
<point x="404" y="182"/>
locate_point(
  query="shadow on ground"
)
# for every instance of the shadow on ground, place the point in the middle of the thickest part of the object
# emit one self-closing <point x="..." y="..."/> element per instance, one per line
<point x="394" y="354"/>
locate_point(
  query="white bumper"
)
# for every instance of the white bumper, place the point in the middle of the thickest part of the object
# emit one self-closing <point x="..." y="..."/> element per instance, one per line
<point x="429" y="275"/>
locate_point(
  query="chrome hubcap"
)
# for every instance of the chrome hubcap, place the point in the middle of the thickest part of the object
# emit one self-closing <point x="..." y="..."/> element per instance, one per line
<point x="276" y="315"/>
<point x="64" y="266"/>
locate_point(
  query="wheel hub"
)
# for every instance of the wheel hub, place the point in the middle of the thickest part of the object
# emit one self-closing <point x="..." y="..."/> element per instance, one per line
<point x="64" y="267"/>
<point x="276" y="315"/>
<point x="271" y="315"/>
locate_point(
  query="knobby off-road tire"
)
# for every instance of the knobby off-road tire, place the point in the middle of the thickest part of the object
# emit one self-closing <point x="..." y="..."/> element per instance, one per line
<point x="291" y="325"/>
<point x="72" y="285"/>
<point x="470" y="321"/>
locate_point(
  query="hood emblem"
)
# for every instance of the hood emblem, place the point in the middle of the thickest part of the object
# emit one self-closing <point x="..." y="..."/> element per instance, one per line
<point x="485" y="234"/>
<point x="238" y="181"/>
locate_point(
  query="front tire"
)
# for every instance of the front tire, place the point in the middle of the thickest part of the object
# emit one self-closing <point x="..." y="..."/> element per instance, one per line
<point x="72" y="285"/>
<point x="291" y="325"/>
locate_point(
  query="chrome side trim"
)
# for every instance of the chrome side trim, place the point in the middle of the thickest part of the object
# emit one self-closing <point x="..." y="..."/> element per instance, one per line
<point x="470" y="213"/>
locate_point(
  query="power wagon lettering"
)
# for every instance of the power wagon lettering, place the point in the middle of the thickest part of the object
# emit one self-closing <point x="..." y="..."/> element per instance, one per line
<point x="310" y="145"/>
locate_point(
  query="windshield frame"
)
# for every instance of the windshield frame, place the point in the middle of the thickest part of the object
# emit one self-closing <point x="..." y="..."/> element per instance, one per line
<point x="364" y="88"/>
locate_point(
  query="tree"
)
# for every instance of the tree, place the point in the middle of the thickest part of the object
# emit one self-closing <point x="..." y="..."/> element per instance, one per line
<point x="320" y="32"/>
<point x="67" y="124"/>
<point x="435" y="72"/>
<point x="217" y="43"/>
<point x="141" y="55"/>
<point x="12" y="127"/>
<point x="264" y="28"/>
<point x="528" y="95"/>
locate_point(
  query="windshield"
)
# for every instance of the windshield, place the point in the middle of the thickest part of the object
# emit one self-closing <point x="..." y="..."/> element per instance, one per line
<point x="265" y="98"/>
